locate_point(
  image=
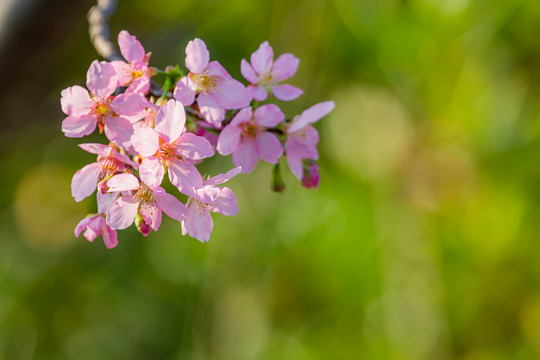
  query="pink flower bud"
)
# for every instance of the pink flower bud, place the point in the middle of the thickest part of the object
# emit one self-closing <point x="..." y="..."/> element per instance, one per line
<point x="311" y="177"/>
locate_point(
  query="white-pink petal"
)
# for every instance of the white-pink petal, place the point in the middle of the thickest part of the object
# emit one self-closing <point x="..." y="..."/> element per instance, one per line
<point x="258" y="93"/>
<point x="185" y="177"/>
<point x="242" y="116"/>
<point x="247" y="72"/>
<point x="84" y="182"/>
<point x="284" y="67"/>
<point x="75" y="101"/>
<point x="79" y="126"/>
<point x="130" y="47"/>
<point x="268" y="115"/>
<point x="246" y="155"/>
<point x="151" y="171"/>
<point x="261" y="59"/>
<point x="232" y="94"/>
<point x="170" y="204"/>
<point x="123" y="182"/>
<point x="221" y="178"/>
<point x="194" y="147"/>
<point x="110" y="237"/>
<point x="295" y="164"/>
<point x="185" y="91"/>
<point x="311" y="115"/>
<point x="198" y="223"/>
<point x="101" y="79"/>
<point x="130" y="106"/>
<point x="226" y="203"/>
<point x="119" y="130"/>
<point x="122" y="212"/>
<point x="82" y="225"/>
<point x="98" y="149"/>
<point x="229" y="139"/>
<point x="270" y="149"/>
<point x="286" y="92"/>
<point x="197" y="56"/>
<point x="170" y="120"/>
<point x="211" y="108"/>
<point x="145" y="141"/>
<point x="151" y="215"/>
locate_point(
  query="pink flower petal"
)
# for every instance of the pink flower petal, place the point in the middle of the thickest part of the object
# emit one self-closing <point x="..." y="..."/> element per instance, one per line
<point x="242" y="116"/>
<point x="85" y="181"/>
<point x="226" y="203"/>
<point x="198" y="223"/>
<point x="123" y="72"/>
<point x="207" y="194"/>
<point x="139" y="86"/>
<point x="246" y="155"/>
<point x="185" y="91"/>
<point x="268" y="115"/>
<point x="105" y="200"/>
<point x="298" y="147"/>
<point x="221" y="178"/>
<point x="75" y="101"/>
<point x="229" y="139"/>
<point x="270" y="148"/>
<point x="197" y="56"/>
<point x="247" y="72"/>
<point x="311" y="115"/>
<point x="110" y="237"/>
<point x="261" y="59"/>
<point x="130" y="106"/>
<point x="295" y="164"/>
<point x="82" y="225"/>
<point x="151" y="215"/>
<point x="123" y="182"/>
<point x="122" y="212"/>
<point x="93" y="229"/>
<point x="284" y="67"/>
<point x="286" y="92"/>
<point x="98" y="149"/>
<point x="119" y="130"/>
<point x="151" y="171"/>
<point x="185" y="177"/>
<point x="79" y="126"/>
<point x="101" y="79"/>
<point x="258" y="93"/>
<point x="170" y="120"/>
<point x="232" y="94"/>
<point x="145" y="141"/>
<point x="130" y="47"/>
<point x="194" y="147"/>
<point x="170" y="205"/>
<point x="211" y="109"/>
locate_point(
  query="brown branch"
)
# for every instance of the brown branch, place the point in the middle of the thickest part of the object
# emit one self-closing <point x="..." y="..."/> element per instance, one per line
<point x="100" y="36"/>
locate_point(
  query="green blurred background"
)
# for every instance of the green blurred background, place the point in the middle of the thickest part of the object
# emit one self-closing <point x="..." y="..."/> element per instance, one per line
<point x="422" y="241"/>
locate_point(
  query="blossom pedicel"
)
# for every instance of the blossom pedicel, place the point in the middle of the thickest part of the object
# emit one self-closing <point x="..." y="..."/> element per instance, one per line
<point x="195" y="115"/>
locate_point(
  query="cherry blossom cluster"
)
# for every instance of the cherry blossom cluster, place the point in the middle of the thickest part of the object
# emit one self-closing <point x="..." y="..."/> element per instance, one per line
<point x="169" y="131"/>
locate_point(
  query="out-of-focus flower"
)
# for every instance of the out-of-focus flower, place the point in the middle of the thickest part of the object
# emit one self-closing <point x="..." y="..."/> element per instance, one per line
<point x="94" y="225"/>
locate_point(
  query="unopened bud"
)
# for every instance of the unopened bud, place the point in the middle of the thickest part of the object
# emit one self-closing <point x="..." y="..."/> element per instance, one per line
<point x="310" y="177"/>
<point x="278" y="185"/>
<point x="102" y="186"/>
<point x="141" y="225"/>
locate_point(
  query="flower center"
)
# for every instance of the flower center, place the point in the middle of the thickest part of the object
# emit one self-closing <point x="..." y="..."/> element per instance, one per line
<point x="266" y="80"/>
<point x="136" y="74"/>
<point x="167" y="154"/>
<point x="145" y="195"/>
<point x="250" y="129"/>
<point x="205" y="82"/>
<point x="108" y="166"/>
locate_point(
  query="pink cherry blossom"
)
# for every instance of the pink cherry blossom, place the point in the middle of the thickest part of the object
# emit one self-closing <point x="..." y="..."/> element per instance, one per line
<point x="94" y="225"/>
<point x="266" y="75"/>
<point x="139" y="198"/>
<point x="168" y="147"/>
<point x="311" y="176"/>
<point x="209" y="197"/>
<point x="302" y="138"/>
<point x="109" y="162"/>
<point x="247" y="138"/>
<point x="111" y="114"/>
<point x="215" y="89"/>
<point x="133" y="73"/>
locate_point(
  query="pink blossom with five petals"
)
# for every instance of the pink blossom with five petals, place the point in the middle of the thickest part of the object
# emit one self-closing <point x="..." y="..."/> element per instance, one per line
<point x="109" y="162"/>
<point x="169" y="147"/>
<point x="135" y="72"/>
<point x="209" y="197"/>
<point x="247" y="138"/>
<point x="86" y="110"/>
<point x="141" y="199"/>
<point x="94" y="225"/>
<point x="217" y="90"/>
<point x="266" y="75"/>
<point x="302" y="138"/>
